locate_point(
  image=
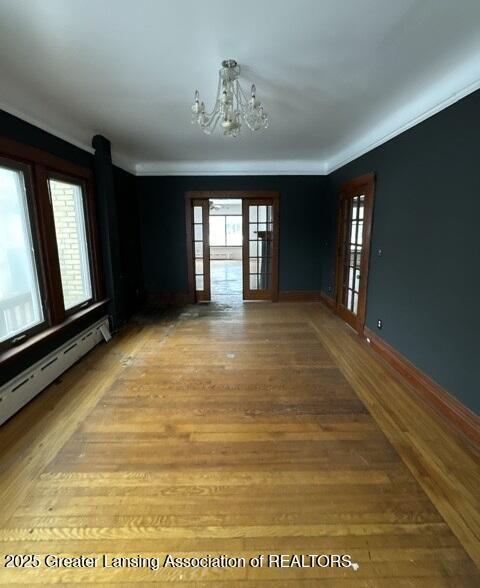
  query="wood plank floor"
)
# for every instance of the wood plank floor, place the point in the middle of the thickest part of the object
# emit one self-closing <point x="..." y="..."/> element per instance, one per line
<point x="240" y="430"/>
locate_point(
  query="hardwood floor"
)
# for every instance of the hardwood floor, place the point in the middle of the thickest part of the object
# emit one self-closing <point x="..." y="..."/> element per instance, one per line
<point x="244" y="430"/>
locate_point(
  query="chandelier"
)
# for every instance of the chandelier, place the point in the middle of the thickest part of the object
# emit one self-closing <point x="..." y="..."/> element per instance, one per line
<point x="232" y="106"/>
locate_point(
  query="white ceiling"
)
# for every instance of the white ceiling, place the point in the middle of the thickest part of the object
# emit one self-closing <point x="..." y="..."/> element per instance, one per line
<point x="336" y="76"/>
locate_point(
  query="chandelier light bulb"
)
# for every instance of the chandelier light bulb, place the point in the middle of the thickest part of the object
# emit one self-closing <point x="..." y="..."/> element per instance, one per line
<point x="232" y="106"/>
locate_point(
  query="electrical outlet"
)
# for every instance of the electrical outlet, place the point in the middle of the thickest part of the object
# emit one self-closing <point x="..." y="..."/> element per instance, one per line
<point x="329" y="288"/>
<point x="379" y="323"/>
<point x="379" y="252"/>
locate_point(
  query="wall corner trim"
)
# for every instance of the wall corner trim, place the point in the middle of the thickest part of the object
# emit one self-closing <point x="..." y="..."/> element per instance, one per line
<point x="232" y="168"/>
<point x="457" y="414"/>
<point x="381" y="134"/>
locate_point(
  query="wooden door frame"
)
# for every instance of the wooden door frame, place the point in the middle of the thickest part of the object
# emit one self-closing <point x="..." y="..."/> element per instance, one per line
<point x="366" y="183"/>
<point x="224" y="195"/>
<point x="272" y="293"/>
<point x="192" y="292"/>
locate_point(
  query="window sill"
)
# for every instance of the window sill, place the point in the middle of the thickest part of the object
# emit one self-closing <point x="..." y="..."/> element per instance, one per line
<point x="45" y="335"/>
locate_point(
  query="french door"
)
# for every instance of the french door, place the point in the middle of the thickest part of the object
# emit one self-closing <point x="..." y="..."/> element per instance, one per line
<point x="259" y="243"/>
<point x="260" y="258"/>
<point x="200" y="248"/>
<point x="353" y="249"/>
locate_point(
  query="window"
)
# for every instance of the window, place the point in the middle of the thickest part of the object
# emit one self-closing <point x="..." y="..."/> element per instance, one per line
<point x="69" y="214"/>
<point x="217" y="230"/>
<point x="225" y="230"/>
<point x="20" y="301"/>
<point x="234" y="230"/>
<point x="49" y="255"/>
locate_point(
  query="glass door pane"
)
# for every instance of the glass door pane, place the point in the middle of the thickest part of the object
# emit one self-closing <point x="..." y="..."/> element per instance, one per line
<point x="355" y="216"/>
<point x="352" y="251"/>
<point x="201" y="249"/>
<point x="259" y="249"/>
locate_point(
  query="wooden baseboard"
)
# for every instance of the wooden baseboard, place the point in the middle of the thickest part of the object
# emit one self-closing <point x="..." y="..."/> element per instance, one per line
<point x="328" y="300"/>
<point x="299" y="296"/>
<point x="167" y="298"/>
<point x="451" y="408"/>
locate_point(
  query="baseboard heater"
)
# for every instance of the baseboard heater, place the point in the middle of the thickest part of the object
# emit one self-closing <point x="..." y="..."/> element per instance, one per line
<point x="21" y="389"/>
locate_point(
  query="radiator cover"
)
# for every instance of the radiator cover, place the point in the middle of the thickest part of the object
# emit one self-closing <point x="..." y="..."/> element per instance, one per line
<point x="21" y="389"/>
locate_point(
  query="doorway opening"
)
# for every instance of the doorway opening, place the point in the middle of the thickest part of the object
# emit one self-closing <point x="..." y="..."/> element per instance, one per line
<point x="232" y="245"/>
<point x="226" y="244"/>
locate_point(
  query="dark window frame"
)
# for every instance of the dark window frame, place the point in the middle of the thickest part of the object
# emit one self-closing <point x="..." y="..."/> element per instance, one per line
<point x="26" y="170"/>
<point x="89" y="230"/>
<point x="39" y="166"/>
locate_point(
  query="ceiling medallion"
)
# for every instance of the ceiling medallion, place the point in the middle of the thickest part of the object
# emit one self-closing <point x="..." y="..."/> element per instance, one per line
<point x="232" y="107"/>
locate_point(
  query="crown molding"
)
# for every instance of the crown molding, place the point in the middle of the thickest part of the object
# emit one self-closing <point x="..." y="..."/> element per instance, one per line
<point x="304" y="167"/>
<point x="291" y="167"/>
<point x="123" y="162"/>
<point x="368" y="144"/>
<point x="118" y="160"/>
<point x="45" y="127"/>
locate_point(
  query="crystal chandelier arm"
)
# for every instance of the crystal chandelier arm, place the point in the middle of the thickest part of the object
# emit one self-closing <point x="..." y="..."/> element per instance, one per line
<point x="243" y="100"/>
<point x="208" y="121"/>
<point x="238" y="98"/>
<point x="232" y="105"/>
<point x="217" y="100"/>
<point x="248" y="112"/>
<point x="209" y="127"/>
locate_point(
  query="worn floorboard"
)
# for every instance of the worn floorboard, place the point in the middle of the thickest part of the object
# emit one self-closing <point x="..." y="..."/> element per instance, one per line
<point x="246" y="430"/>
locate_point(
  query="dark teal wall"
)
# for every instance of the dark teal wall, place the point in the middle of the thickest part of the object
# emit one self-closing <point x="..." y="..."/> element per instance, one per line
<point x="23" y="132"/>
<point x="426" y="218"/>
<point x="163" y="232"/>
<point x="426" y="285"/>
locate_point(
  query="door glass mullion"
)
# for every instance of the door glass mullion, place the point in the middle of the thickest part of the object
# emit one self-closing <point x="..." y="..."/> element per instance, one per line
<point x="352" y="250"/>
<point x="260" y="236"/>
<point x="198" y="247"/>
<point x="355" y="240"/>
<point x="346" y="249"/>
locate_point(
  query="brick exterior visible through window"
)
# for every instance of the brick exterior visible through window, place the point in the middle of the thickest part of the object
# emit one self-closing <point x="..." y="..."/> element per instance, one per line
<point x="70" y="231"/>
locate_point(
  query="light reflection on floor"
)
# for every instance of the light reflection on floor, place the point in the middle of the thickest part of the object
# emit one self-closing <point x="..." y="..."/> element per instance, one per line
<point x="226" y="280"/>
